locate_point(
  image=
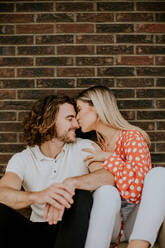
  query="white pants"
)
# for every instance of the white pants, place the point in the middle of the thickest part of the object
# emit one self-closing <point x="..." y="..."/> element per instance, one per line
<point x="105" y="220"/>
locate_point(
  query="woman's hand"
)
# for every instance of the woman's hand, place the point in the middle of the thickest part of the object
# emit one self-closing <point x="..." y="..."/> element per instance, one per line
<point x="52" y="214"/>
<point x="95" y="154"/>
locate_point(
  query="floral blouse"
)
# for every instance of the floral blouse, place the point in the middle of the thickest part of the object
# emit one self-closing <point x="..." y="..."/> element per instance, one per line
<point x="129" y="164"/>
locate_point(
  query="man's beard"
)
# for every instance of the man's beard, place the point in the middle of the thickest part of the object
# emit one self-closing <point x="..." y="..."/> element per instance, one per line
<point x="65" y="138"/>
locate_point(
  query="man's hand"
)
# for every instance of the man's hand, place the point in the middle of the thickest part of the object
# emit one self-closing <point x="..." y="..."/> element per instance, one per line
<point x="56" y="195"/>
<point x="53" y="214"/>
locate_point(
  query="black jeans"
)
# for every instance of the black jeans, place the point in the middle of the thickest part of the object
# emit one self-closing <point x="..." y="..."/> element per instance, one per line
<point x="17" y="231"/>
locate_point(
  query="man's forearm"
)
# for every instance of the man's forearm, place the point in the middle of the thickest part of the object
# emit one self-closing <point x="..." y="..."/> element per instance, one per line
<point x="91" y="181"/>
<point x="15" y="199"/>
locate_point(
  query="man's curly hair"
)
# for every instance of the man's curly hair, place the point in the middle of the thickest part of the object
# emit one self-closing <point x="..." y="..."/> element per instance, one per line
<point x="40" y="126"/>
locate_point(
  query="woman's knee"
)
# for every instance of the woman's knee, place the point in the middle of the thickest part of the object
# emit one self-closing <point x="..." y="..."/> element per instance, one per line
<point x="108" y="194"/>
<point x="156" y="175"/>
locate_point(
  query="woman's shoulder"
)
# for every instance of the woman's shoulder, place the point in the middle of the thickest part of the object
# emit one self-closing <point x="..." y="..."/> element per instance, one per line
<point x="131" y="134"/>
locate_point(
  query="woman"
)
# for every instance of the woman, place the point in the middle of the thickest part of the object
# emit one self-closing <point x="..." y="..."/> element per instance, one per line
<point x="126" y="155"/>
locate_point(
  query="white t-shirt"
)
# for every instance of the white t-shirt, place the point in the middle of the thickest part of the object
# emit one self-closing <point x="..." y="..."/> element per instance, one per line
<point x="38" y="172"/>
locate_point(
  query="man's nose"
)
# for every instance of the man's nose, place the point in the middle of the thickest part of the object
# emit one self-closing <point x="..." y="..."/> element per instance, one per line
<point x="77" y="117"/>
<point x="75" y="123"/>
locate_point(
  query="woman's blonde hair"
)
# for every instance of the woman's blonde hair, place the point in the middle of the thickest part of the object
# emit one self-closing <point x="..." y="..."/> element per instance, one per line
<point x="106" y="107"/>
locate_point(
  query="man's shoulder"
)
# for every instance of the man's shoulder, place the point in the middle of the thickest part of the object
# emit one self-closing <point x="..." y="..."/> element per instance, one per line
<point x="80" y="144"/>
<point x="84" y="142"/>
<point x="23" y="155"/>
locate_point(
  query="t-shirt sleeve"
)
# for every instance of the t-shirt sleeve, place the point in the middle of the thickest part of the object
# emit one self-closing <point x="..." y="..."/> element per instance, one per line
<point x="16" y="165"/>
<point x="129" y="171"/>
<point x="86" y="144"/>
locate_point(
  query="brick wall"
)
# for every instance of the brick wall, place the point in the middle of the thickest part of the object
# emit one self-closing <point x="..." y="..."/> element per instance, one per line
<point x="63" y="46"/>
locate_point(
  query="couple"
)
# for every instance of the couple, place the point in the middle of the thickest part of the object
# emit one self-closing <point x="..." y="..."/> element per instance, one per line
<point x="59" y="172"/>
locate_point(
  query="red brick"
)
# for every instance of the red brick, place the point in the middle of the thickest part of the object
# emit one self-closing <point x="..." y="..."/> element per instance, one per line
<point x="58" y="17"/>
<point x="34" y="29"/>
<point x="128" y="115"/>
<point x="36" y="50"/>
<point x="150" y="28"/>
<point x="75" y="28"/>
<point x="71" y="93"/>
<point x="161" y="125"/>
<point x="116" y="71"/>
<point x="54" y="39"/>
<point x="134" y="17"/>
<point x="150" y="71"/>
<point x="75" y="72"/>
<point x="16" y="40"/>
<point x="35" y="72"/>
<point x="150" y="93"/>
<point x="74" y="7"/>
<point x="22" y="115"/>
<point x="150" y="50"/>
<point x="56" y="61"/>
<point x="11" y="127"/>
<point x="125" y="38"/>
<point x="160" y="82"/>
<point x="145" y="125"/>
<point x="94" y="61"/>
<point x="151" y="115"/>
<point x="75" y="50"/>
<point x="116" y="49"/>
<point x="135" y="82"/>
<point x="160" y="60"/>
<point x="7" y="51"/>
<point x="6" y="7"/>
<point x="34" y="7"/>
<point x="6" y="29"/>
<point x="157" y="136"/>
<point x="160" y="103"/>
<point x="8" y="137"/>
<point x="136" y="104"/>
<point x="150" y="6"/>
<point x="55" y="83"/>
<point x="6" y="72"/>
<point x="11" y="148"/>
<point x="160" y="147"/>
<point x="16" y="105"/>
<point x="94" y="39"/>
<point x="95" y="17"/>
<point x="114" y="6"/>
<point x="89" y="82"/>
<point x="7" y="116"/>
<point x="16" y="18"/>
<point x="4" y="158"/>
<point x="34" y="94"/>
<point x="16" y="83"/>
<point x="134" y="60"/>
<point x="114" y="28"/>
<point x="7" y="94"/>
<point x="16" y="61"/>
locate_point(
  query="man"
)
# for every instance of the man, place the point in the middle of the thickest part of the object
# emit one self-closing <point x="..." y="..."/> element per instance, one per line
<point x="55" y="178"/>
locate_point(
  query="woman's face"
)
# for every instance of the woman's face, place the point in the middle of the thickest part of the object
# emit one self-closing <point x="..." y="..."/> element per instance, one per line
<point x="86" y="117"/>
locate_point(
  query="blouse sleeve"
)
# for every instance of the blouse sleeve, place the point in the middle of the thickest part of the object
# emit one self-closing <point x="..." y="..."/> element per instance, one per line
<point x="130" y="169"/>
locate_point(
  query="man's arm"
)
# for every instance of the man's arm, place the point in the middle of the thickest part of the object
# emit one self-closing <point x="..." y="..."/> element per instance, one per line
<point x="10" y="192"/>
<point x="91" y="181"/>
<point x="57" y="195"/>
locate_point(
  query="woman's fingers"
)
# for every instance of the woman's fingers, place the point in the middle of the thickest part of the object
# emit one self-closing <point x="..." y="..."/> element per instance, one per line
<point x="96" y="147"/>
<point x="88" y="158"/>
<point x="88" y="150"/>
<point x="46" y="211"/>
